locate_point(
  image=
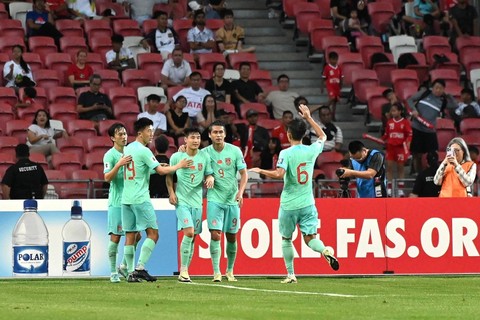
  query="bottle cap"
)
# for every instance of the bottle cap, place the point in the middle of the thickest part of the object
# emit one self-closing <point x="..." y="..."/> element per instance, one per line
<point x="76" y="208"/>
<point x="30" y="204"/>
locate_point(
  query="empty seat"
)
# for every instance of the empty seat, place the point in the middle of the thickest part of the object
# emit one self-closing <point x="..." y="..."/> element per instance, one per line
<point x="66" y="161"/>
<point x="381" y="14"/>
<point x="59" y="62"/>
<point x="28" y="113"/>
<point x="94" y="161"/>
<point x="84" y="175"/>
<point x="11" y="28"/>
<point x="149" y="61"/>
<point x="375" y="101"/>
<point x="335" y="43"/>
<point x="33" y="60"/>
<point x="70" y="28"/>
<point x="435" y="45"/>
<point x="62" y="95"/>
<point x="349" y="62"/>
<point x="42" y="45"/>
<point x="122" y="94"/>
<point x="288" y="7"/>
<point x="446" y="131"/>
<point x="72" y="145"/>
<point x="136" y="78"/>
<point x="6" y="115"/>
<point x="64" y="112"/>
<point x="303" y="13"/>
<point x="126" y="27"/>
<point x="319" y="29"/>
<point x="450" y="77"/>
<point x="7" y="43"/>
<point x="103" y="127"/>
<point x="100" y="144"/>
<point x="81" y="128"/>
<point x="8" y="145"/>
<point x="324" y="7"/>
<point x="96" y="61"/>
<point x="207" y="60"/>
<point x="110" y="78"/>
<point x="126" y="113"/>
<point x="329" y="162"/>
<point x="97" y="28"/>
<point x="402" y="78"/>
<point x="421" y="68"/>
<point x="470" y="126"/>
<point x="214" y="24"/>
<point x="7" y="95"/>
<point x="236" y="59"/>
<point x="401" y="44"/>
<point x="262" y="77"/>
<point x="71" y="45"/>
<point x="367" y="46"/>
<point x="467" y="46"/>
<point x="363" y="79"/>
<point x="18" y="128"/>
<point x="39" y="158"/>
<point x="46" y="78"/>
<point x="149" y="25"/>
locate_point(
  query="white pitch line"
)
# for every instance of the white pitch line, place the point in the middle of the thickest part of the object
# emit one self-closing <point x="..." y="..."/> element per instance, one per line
<point x="279" y="291"/>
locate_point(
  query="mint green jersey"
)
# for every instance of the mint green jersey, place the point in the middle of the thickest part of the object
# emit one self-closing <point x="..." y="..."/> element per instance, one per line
<point x="190" y="180"/>
<point x="298" y="162"/>
<point x="110" y="159"/>
<point x="225" y="165"/>
<point x="136" y="176"/>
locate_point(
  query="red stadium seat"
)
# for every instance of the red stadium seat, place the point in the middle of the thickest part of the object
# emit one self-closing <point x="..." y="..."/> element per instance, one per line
<point x="149" y="25"/>
<point x="8" y="145"/>
<point x="381" y="14"/>
<point x="335" y="43"/>
<point x="266" y="189"/>
<point x="435" y="45"/>
<point x="329" y="162"/>
<point x="269" y="124"/>
<point x="228" y="107"/>
<point x="470" y="126"/>
<point x="214" y="24"/>
<point x="42" y="45"/>
<point x="288" y="7"/>
<point x="100" y="144"/>
<point x="62" y="95"/>
<point x="72" y="145"/>
<point x="126" y="113"/>
<point x="66" y="161"/>
<point x="181" y="26"/>
<point x="33" y="60"/>
<point x="445" y="132"/>
<point x="262" y="77"/>
<point x="450" y="77"/>
<point x="96" y="61"/>
<point x="172" y="91"/>
<point x="81" y="128"/>
<point x="319" y="29"/>
<point x="7" y="43"/>
<point x="383" y="70"/>
<point x="236" y="59"/>
<point x="3" y="12"/>
<point x="7" y="95"/>
<point x="59" y="62"/>
<point x="117" y="7"/>
<point x="46" y="78"/>
<point x="259" y="107"/>
<point x="6" y="160"/>
<point x="126" y="27"/>
<point x="84" y="175"/>
<point x="11" y="28"/>
<point x="122" y="95"/>
<point x="363" y="79"/>
<point x="97" y="28"/>
<point x="71" y="45"/>
<point x="94" y="161"/>
<point x="303" y="13"/>
<point x="18" y="128"/>
<point x="421" y="68"/>
<point x="28" y="113"/>
<point x="207" y="60"/>
<point x="64" y="112"/>
<point x="375" y="101"/>
<point x="467" y="46"/>
<point x="109" y="77"/>
<point x="40" y="159"/>
<point x="402" y="78"/>
<point x="324" y="7"/>
<point x="367" y="46"/>
<point x="41" y="96"/>
<point x="149" y="61"/>
<point x="136" y="78"/>
<point x="349" y="62"/>
<point x="397" y="4"/>
<point x="6" y="115"/>
<point x="70" y="28"/>
<point x="472" y="140"/>
<point x="55" y="175"/>
<point x="103" y="127"/>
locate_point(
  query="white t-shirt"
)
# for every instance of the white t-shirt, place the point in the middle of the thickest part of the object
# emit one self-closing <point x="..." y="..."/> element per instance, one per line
<point x="176" y="74"/>
<point x="16" y="71"/>
<point x="165" y="41"/>
<point x="125" y="54"/>
<point x="195" y="35"/>
<point x="159" y="120"/>
<point x="84" y="7"/>
<point x="40" y="131"/>
<point x="194" y="100"/>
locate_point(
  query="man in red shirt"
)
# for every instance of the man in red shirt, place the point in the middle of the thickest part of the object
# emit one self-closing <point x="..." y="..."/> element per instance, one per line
<point x="332" y="76"/>
<point x="280" y="131"/>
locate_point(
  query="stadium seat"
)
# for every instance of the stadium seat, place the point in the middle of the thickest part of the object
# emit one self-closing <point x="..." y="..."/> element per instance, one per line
<point x="64" y="112"/>
<point x="445" y="132"/>
<point x="149" y="61"/>
<point x="381" y="13"/>
<point x="288" y="7"/>
<point x="40" y="159"/>
<point x="126" y="113"/>
<point x="228" y="107"/>
<point x="214" y="24"/>
<point x="103" y="127"/>
<point x="126" y="27"/>
<point x="269" y="124"/>
<point x="11" y="28"/>
<point x="335" y="43"/>
<point x="18" y="11"/>
<point x="262" y="77"/>
<point x="28" y="113"/>
<point x="397" y="4"/>
<point x="6" y="160"/>
<point x="33" y="60"/>
<point x="349" y="62"/>
<point x="149" y="25"/>
<point x="8" y="145"/>
<point x="72" y="145"/>
<point x="84" y="175"/>
<point x="324" y="7"/>
<point x="266" y="189"/>
<point x="6" y="115"/>
<point x="109" y="77"/>
<point x="7" y="43"/>
<point x="231" y="74"/>
<point x="96" y="61"/>
<point x="46" y="78"/>
<point x="66" y="161"/>
<point x="450" y="76"/>
<point x="172" y="91"/>
<point x="207" y="60"/>
<point x="81" y="128"/>
<point x="236" y="59"/>
<point x="363" y="79"/>
<point x="143" y="92"/>
<point x="71" y="45"/>
<point x="375" y="101"/>
<point x="123" y="95"/>
<point x="435" y="45"/>
<point x="62" y="95"/>
<point x="383" y="70"/>
<point x="103" y="143"/>
<point x="319" y="29"/>
<point x="259" y="107"/>
<point x="475" y="79"/>
<point x="70" y="28"/>
<point x="101" y="45"/>
<point x="7" y="95"/>
<point x="472" y="140"/>
<point x="467" y="46"/>
<point x="55" y="175"/>
<point x="134" y="78"/>
<point x="421" y="68"/>
<point x="405" y="94"/>
<point x="470" y="63"/>
<point x="97" y="28"/>
<point x="41" y="96"/>
<point x="367" y="46"/>
<point x="42" y="45"/>
<point x="181" y="26"/>
<point x="59" y="62"/>
<point x="303" y="13"/>
<point x="401" y="44"/>
<point x="470" y="126"/>
<point x="3" y="12"/>
<point x="402" y="78"/>
<point x="18" y="128"/>
<point x="94" y="161"/>
<point x="329" y="162"/>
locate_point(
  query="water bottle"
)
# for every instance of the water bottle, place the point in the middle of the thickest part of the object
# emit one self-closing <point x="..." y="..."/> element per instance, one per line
<point x="30" y="243"/>
<point x="76" y="243"/>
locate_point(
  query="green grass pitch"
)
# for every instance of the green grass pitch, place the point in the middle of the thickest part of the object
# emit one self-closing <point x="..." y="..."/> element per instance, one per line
<point x="386" y="297"/>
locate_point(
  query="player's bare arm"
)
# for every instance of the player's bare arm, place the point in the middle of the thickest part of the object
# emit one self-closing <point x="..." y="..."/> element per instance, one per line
<point x="273" y="174"/>
<point x="172" y="197"/>
<point x="242" y="186"/>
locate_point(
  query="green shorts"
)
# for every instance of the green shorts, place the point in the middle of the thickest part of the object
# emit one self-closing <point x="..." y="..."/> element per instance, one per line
<point x="138" y="217"/>
<point x="188" y="217"/>
<point x="223" y="217"/>
<point x="306" y="218"/>
<point x="115" y="221"/>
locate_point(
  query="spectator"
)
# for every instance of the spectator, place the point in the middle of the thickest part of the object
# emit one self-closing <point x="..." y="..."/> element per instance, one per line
<point x="464" y="20"/>
<point x="119" y="58"/>
<point x="246" y="90"/>
<point x="220" y="88"/>
<point x="16" y="71"/>
<point x="354" y="28"/>
<point x="333" y="132"/>
<point x="158" y="188"/>
<point x="141" y="10"/>
<point x="280" y="132"/>
<point x="78" y="73"/>
<point x="282" y="99"/>
<point x="176" y="71"/>
<point x="269" y="156"/>
<point x="231" y="37"/>
<point x="163" y="39"/>
<point x="256" y="137"/>
<point x="467" y="98"/>
<point x="340" y="10"/>
<point x="474" y="153"/>
<point x="177" y="119"/>
<point x="25" y="179"/>
<point x="40" y="23"/>
<point x="200" y="38"/>
<point x="424" y="185"/>
<point x="457" y="171"/>
<point x="392" y="98"/>
<point x="83" y="9"/>
<point x="429" y="104"/>
<point x="213" y="8"/>
<point x="41" y="136"/>
<point x="423" y="10"/>
<point x="332" y="77"/>
<point x="29" y="95"/>
<point x="207" y="115"/>
<point x="94" y="105"/>
<point x="194" y="94"/>
<point x="152" y="113"/>
<point x="59" y="9"/>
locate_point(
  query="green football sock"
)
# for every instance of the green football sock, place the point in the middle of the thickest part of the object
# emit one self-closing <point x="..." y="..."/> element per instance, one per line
<point x="185" y="248"/>
<point x="129" y="255"/>
<point x="231" y="255"/>
<point x="145" y="252"/>
<point x="192" y="250"/>
<point x="316" y="245"/>
<point x="215" y="252"/>
<point x="124" y="261"/>
<point x="288" y="255"/>
<point x="112" y="255"/>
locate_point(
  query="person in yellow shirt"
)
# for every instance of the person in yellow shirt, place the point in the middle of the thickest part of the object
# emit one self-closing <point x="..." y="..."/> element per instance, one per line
<point x="231" y="37"/>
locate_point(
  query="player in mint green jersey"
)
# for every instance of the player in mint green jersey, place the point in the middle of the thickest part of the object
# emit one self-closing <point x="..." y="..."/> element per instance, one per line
<point x="188" y="196"/>
<point x="225" y="199"/>
<point x="137" y="210"/>
<point x="297" y="204"/>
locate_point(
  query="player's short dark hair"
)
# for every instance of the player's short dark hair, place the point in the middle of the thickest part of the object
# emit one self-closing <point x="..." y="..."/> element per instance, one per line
<point x="244" y="63"/>
<point x="161" y="144"/>
<point x="153" y="97"/>
<point x="332" y="55"/>
<point x="297" y="129"/>
<point x="114" y="128"/>
<point x="192" y="130"/>
<point x="22" y="151"/>
<point x="216" y="123"/>
<point x="355" y="146"/>
<point x="141" y="124"/>
<point x="117" y="38"/>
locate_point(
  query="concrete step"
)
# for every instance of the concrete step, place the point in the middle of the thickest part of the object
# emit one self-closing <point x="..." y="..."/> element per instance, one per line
<point x="302" y="83"/>
<point x="251" y="23"/>
<point x="236" y="5"/>
<point x="264" y="31"/>
<point x="251" y="14"/>
<point x="272" y="48"/>
<point x="284" y="66"/>
<point x="281" y="56"/>
<point x="301" y="74"/>
<point x="255" y="39"/>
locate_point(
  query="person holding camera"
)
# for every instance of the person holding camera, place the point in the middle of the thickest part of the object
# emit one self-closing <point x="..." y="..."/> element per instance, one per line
<point x="368" y="167"/>
<point x="457" y="171"/>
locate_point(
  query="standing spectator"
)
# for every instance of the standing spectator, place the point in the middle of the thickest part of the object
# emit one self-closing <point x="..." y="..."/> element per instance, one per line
<point x="231" y="37"/>
<point x="464" y="20"/>
<point x="429" y="104"/>
<point x="256" y="137"/>
<point x="207" y="115"/>
<point x="163" y="39"/>
<point x="220" y="88"/>
<point x="158" y="188"/>
<point x="457" y="172"/>
<point x="194" y="94"/>
<point x="424" y="185"/>
<point x="332" y="76"/>
<point x="78" y="73"/>
<point x="280" y="132"/>
<point x="177" y="119"/>
<point x="246" y="90"/>
<point x="40" y="23"/>
<point x="200" y="38"/>
<point x="333" y="132"/>
<point x="25" y="179"/>
<point x="392" y="98"/>
<point x="269" y="156"/>
<point x="119" y="58"/>
<point x="176" y="71"/>
<point x="152" y="113"/>
<point x="282" y="99"/>
<point x="41" y="136"/>
<point x="16" y="71"/>
<point x="94" y="105"/>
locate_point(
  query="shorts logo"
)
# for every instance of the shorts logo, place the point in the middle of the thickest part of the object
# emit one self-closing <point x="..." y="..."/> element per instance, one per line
<point x="214" y="223"/>
<point x="185" y="221"/>
<point x="228" y="161"/>
<point x="119" y="228"/>
<point x="200" y="167"/>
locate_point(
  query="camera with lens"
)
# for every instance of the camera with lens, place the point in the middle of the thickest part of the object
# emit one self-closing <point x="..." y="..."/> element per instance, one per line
<point x="343" y="181"/>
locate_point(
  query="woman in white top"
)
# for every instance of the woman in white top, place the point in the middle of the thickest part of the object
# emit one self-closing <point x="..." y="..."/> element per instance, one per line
<point x="41" y="137"/>
<point x="16" y="69"/>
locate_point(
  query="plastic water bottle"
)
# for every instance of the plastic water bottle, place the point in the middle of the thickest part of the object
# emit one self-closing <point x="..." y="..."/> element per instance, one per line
<point x="76" y="243"/>
<point x="30" y="243"/>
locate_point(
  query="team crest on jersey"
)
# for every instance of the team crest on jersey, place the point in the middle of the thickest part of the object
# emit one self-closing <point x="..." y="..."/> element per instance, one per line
<point x="228" y="161"/>
<point x="331" y="72"/>
<point x="200" y="167"/>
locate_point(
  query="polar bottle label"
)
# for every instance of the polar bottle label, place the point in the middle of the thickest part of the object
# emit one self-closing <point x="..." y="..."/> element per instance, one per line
<point x="30" y="260"/>
<point x="76" y="256"/>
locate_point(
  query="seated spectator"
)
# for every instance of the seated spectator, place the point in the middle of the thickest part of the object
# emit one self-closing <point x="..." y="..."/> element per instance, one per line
<point x="423" y="11"/>
<point x="246" y="90"/>
<point x="207" y="115"/>
<point x="78" y="73"/>
<point x="83" y="9"/>
<point x="269" y="156"/>
<point x="256" y="137"/>
<point x="24" y="179"/>
<point x="340" y="10"/>
<point x="176" y="70"/>
<point x="94" y="105"/>
<point x="467" y="103"/>
<point x="354" y="28"/>
<point x="200" y="38"/>
<point x="152" y="113"/>
<point x="141" y="10"/>
<point x="177" y="119"/>
<point x="163" y="39"/>
<point x="333" y="132"/>
<point x="41" y="136"/>
<point x="119" y="58"/>
<point x="220" y="88"/>
<point x="280" y="132"/>
<point x="194" y="95"/>
<point x="17" y="72"/>
<point x="59" y="9"/>
<point x="158" y="188"/>
<point x="29" y="95"/>
<point x="40" y="23"/>
<point x="213" y="8"/>
<point x="464" y="20"/>
<point x="282" y="99"/>
<point x="231" y="37"/>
